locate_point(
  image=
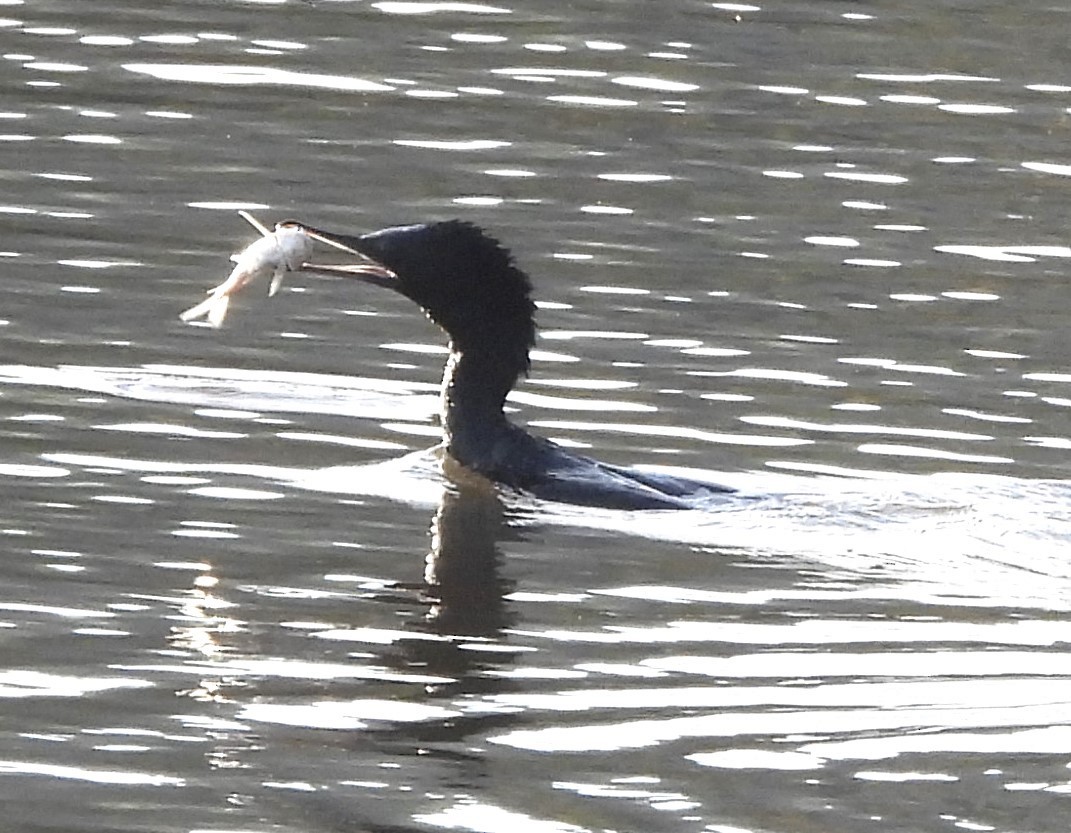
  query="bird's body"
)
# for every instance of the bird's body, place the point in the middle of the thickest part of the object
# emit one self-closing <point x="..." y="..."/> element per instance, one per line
<point x="468" y="284"/>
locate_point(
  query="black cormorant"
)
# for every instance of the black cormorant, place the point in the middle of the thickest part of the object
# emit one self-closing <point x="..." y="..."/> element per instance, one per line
<point x="468" y="284"/>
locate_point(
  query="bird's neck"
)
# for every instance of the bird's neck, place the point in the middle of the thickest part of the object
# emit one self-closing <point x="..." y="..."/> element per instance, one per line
<point x="474" y="389"/>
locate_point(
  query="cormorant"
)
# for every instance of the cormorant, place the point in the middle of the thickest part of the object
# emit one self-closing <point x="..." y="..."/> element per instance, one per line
<point x="468" y="284"/>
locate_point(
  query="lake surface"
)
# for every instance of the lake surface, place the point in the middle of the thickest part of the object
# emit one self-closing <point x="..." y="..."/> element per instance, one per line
<point x="817" y="251"/>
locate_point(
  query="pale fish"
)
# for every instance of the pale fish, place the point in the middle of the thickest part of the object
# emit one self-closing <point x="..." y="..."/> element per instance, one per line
<point x="284" y="250"/>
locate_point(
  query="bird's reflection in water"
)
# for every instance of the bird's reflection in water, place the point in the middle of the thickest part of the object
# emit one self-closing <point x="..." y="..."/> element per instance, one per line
<point x="463" y="585"/>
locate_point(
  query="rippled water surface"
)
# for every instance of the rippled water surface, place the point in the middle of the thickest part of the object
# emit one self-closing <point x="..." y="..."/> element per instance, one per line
<point x="812" y="250"/>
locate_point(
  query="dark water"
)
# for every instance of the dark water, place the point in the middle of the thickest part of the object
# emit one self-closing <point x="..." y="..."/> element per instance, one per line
<point x="815" y="250"/>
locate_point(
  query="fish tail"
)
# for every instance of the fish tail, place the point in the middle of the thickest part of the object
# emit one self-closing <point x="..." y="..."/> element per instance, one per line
<point x="197" y="311"/>
<point x="215" y="308"/>
<point x="218" y="311"/>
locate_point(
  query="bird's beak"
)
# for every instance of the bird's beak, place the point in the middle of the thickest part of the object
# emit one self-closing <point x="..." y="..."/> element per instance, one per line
<point x="368" y="272"/>
<point x="365" y="269"/>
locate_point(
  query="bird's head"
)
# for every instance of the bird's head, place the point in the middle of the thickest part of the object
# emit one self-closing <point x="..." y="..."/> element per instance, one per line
<point x="462" y="278"/>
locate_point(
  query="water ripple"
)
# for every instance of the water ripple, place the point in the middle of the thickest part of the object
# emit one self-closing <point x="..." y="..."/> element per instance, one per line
<point x="93" y="776"/>
<point x="236" y="75"/>
<point x="405" y="8"/>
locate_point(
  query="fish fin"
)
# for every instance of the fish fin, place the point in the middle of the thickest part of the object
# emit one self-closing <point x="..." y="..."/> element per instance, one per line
<point x="234" y="258"/>
<point x="276" y="280"/>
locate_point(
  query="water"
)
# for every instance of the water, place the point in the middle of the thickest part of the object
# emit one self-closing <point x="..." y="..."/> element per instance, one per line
<point x="815" y="251"/>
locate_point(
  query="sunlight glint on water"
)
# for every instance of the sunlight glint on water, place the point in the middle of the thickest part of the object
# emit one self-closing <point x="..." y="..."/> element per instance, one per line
<point x="820" y="263"/>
